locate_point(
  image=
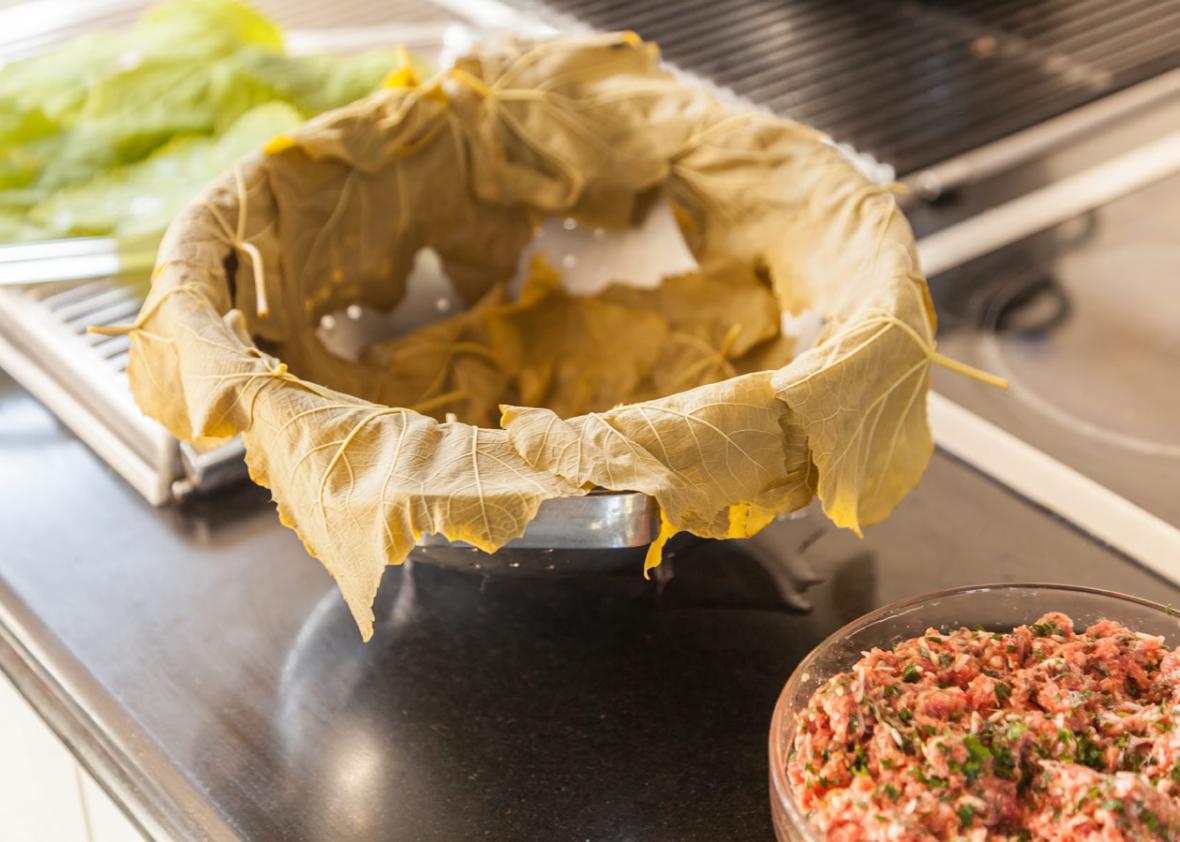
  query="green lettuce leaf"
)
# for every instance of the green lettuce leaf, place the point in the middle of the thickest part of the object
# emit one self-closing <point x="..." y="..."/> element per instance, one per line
<point x="141" y="197"/>
<point x="196" y="29"/>
<point x="150" y="114"/>
<point x="314" y="83"/>
<point x="41" y="93"/>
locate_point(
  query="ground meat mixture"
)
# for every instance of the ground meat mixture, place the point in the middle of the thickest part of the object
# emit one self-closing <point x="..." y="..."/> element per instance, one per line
<point x="1043" y="733"/>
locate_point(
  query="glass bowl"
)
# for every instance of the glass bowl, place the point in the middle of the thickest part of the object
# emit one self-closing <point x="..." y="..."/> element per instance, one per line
<point x="997" y="607"/>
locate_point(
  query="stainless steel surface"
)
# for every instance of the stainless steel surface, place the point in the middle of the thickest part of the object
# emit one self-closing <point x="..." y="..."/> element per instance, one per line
<point x="600" y="520"/>
<point x="1049" y="206"/>
<point x="77" y="259"/>
<point x="912" y="83"/>
<point x="208" y="470"/>
<point x="1082" y="320"/>
<point x="1063" y="490"/>
<point x="83" y="376"/>
<point x="994" y="158"/>
<point x="206" y="670"/>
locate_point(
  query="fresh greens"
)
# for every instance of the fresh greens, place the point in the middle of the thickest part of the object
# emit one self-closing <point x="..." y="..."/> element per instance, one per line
<point x="114" y="132"/>
<point x="132" y="199"/>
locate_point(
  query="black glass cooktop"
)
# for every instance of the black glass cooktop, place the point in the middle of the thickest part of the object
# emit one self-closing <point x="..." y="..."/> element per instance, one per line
<point x="217" y="680"/>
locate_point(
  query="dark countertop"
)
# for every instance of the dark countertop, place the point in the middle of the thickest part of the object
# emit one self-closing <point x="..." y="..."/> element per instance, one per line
<point x="205" y="669"/>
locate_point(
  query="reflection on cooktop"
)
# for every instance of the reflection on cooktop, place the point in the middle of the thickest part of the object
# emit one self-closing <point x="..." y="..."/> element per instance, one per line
<point x="388" y="728"/>
<point x="1101" y="363"/>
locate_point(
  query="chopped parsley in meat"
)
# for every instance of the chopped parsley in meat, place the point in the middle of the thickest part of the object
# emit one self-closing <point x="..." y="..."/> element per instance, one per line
<point x="1042" y="734"/>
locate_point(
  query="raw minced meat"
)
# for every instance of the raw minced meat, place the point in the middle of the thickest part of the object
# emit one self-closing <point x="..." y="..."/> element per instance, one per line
<point x="1040" y="734"/>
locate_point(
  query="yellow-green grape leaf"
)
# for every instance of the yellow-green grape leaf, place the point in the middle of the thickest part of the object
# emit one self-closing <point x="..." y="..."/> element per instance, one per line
<point x="860" y="394"/>
<point x="361" y="483"/>
<point x="700" y="453"/>
<point x="570" y="352"/>
<point x="714" y="318"/>
<point x="867" y="430"/>
<point x="370" y="220"/>
<point x="767" y="355"/>
<point x="444" y="367"/>
<point x="733" y="186"/>
<point x="358" y="481"/>
<point x="554" y="129"/>
<point x="335" y="212"/>
<point x="709" y="305"/>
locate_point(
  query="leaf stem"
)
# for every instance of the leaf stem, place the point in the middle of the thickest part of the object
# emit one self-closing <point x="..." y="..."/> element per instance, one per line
<point x="473" y="82"/>
<point x="968" y="370"/>
<point x="110" y="330"/>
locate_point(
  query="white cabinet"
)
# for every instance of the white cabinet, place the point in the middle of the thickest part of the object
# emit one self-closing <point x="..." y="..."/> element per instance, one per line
<point x="104" y="820"/>
<point x="45" y="796"/>
<point x="39" y="796"/>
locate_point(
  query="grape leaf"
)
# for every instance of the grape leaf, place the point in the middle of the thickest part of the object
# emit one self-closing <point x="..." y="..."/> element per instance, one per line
<point x="714" y="320"/>
<point x="737" y="181"/>
<point x="361" y="481"/>
<point x="768" y="355"/>
<point x="552" y="343"/>
<point x="445" y="367"/>
<point x="542" y="126"/>
<point x="838" y="245"/>
<point x="861" y="392"/>
<point x="388" y="476"/>
<point x="544" y="348"/>
<point x="702" y="454"/>
<point x="336" y="211"/>
<point x="374" y="201"/>
<point x="708" y="305"/>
